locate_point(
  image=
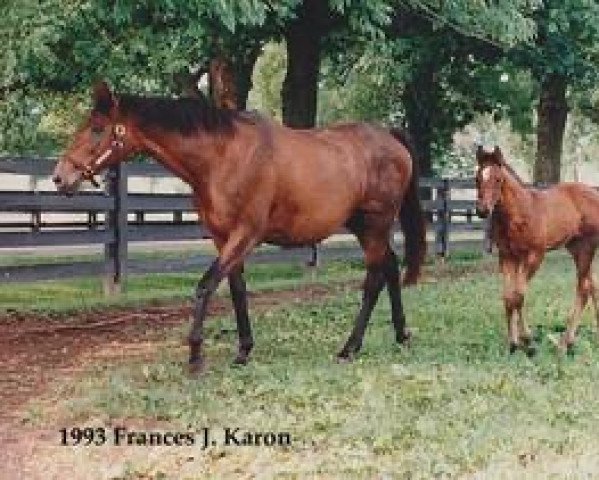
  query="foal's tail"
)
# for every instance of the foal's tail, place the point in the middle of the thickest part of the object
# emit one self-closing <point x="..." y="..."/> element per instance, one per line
<point x="411" y="219"/>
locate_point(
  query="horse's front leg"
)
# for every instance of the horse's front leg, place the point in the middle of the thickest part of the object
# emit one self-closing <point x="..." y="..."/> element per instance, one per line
<point x="240" y="304"/>
<point x="512" y="300"/>
<point x="231" y="255"/>
<point x="525" y="270"/>
<point x="375" y="254"/>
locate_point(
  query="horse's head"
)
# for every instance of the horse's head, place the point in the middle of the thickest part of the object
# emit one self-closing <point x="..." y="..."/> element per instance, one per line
<point x="104" y="139"/>
<point x="489" y="180"/>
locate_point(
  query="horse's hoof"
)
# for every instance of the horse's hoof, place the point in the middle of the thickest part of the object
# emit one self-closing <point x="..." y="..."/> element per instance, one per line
<point x="240" y="360"/>
<point x="570" y="350"/>
<point x="344" y="360"/>
<point x="196" y="368"/>
<point x="513" y="348"/>
<point x="405" y="337"/>
<point x="531" y="351"/>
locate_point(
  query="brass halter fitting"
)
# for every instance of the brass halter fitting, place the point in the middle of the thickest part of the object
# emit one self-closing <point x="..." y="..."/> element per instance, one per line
<point x="117" y="142"/>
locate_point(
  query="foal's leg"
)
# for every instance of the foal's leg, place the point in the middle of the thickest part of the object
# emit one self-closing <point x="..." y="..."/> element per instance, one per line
<point x="244" y="329"/>
<point x="525" y="271"/>
<point x="583" y="253"/>
<point x="375" y="253"/>
<point x="512" y="299"/>
<point x="393" y="280"/>
<point x="594" y="295"/>
<point x="231" y="255"/>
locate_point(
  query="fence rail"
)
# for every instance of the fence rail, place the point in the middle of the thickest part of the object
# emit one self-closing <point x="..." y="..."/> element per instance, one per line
<point x="114" y="217"/>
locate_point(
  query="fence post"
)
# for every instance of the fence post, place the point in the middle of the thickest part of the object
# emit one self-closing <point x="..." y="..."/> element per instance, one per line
<point x="314" y="260"/>
<point x="444" y="219"/>
<point x="115" y="250"/>
<point x="487" y="242"/>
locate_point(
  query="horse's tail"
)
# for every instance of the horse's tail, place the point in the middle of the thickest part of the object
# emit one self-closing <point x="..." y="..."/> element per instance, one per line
<point x="411" y="218"/>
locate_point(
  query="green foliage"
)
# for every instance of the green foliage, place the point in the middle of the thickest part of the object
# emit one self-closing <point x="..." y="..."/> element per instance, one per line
<point x="269" y="73"/>
<point x="19" y="120"/>
<point x="504" y="22"/>
<point x="567" y="41"/>
<point x="367" y="86"/>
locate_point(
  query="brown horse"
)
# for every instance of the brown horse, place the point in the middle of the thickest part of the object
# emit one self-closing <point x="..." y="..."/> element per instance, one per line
<point x="527" y="222"/>
<point x="255" y="181"/>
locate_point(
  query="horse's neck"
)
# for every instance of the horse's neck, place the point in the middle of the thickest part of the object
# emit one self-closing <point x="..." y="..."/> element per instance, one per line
<point x="191" y="158"/>
<point x="515" y="202"/>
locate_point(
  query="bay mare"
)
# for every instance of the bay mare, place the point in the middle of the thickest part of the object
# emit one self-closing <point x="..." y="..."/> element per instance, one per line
<point x="527" y="222"/>
<point x="256" y="181"/>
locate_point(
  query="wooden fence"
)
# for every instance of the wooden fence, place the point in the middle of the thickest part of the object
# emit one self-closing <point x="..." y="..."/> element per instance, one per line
<point x="114" y="217"/>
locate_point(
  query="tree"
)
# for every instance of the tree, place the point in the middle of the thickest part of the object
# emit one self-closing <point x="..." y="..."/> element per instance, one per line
<point x="60" y="47"/>
<point x="564" y="57"/>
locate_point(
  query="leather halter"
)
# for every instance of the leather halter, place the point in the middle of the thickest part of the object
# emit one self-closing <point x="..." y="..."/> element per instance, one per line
<point x="89" y="170"/>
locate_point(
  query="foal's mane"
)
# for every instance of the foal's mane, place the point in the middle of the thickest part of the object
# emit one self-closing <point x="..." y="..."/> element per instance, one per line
<point x="513" y="173"/>
<point x="184" y="115"/>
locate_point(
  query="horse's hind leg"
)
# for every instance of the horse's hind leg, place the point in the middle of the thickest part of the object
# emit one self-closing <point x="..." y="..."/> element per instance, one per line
<point x="392" y="278"/>
<point x="239" y="297"/>
<point x="583" y="253"/>
<point x="375" y="254"/>
<point x="594" y="297"/>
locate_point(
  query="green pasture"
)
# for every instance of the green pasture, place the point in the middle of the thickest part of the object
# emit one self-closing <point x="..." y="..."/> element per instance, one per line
<point x="85" y="293"/>
<point x="453" y="404"/>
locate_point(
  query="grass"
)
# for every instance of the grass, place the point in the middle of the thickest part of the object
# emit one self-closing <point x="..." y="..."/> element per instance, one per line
<point x="453" y="405"/>
<point x="87" y="292"/>
<point x="17" y="259"/>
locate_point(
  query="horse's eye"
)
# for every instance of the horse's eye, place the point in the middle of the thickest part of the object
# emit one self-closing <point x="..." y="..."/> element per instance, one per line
<point x="97" y="131"/>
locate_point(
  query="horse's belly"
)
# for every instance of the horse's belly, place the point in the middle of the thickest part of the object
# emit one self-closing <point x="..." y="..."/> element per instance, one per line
<point x="300" y="234"/>
<point x="305" y="229"/>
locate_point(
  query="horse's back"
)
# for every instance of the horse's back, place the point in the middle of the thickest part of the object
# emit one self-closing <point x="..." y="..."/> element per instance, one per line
<point x="570" y="207"/>
<point x="324" y="176"/>
<point x="586" y="200"/>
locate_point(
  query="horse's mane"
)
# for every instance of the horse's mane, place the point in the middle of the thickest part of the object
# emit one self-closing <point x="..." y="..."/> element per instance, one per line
<point x="513" y="173"/>
<point x="184" y="115"/>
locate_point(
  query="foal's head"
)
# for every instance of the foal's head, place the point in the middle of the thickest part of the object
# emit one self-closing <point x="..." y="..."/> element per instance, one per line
<point x="489" y="180"/>
<point x="104" y="139"/>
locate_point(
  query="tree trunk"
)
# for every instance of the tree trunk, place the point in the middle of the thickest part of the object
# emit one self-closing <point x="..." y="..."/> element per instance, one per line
<point x="552" y="114"/>
<point x="300" y="87"/>
<point x="231" y="81"/>
<point x="420" y="106"/>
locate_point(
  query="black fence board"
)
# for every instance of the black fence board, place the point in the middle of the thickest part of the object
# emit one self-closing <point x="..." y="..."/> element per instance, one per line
<point x="14" y="201"/>
<point x="149" y="202"/>
<point x="54" y="238"/>
<point x="125" y="219"/>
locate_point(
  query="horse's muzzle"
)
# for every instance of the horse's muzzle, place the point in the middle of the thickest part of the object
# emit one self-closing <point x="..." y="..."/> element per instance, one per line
<point x="482" y="212"/>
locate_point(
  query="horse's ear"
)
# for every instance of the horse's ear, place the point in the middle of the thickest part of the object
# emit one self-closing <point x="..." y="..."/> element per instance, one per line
<point x="479" y="153"/>
<point x="103" y="100"/>
<point x="498" y="155"/>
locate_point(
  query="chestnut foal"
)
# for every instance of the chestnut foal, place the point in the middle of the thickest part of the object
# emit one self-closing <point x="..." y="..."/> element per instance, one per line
<point x="256" y="181"/>
<point x="527" y="222"/>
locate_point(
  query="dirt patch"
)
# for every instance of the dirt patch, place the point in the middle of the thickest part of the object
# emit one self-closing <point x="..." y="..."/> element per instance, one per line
<point x="36" y="349"/>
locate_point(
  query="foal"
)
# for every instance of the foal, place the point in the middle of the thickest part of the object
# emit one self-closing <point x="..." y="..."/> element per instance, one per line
<point x="256" y="181"/>
<point x="527" y="222"/>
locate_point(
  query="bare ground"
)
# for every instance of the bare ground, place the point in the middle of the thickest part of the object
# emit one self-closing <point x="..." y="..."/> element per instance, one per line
<point x="36" y="350"/>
